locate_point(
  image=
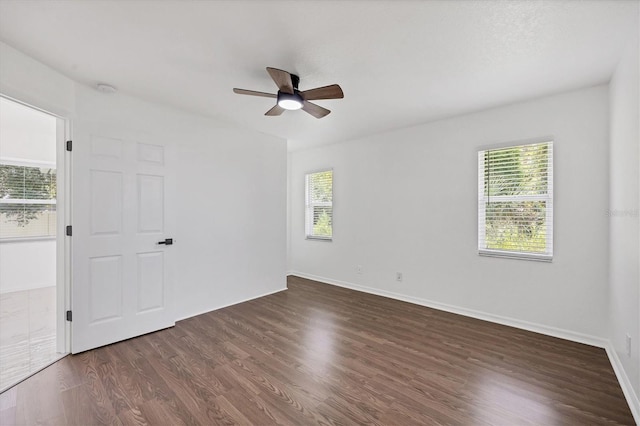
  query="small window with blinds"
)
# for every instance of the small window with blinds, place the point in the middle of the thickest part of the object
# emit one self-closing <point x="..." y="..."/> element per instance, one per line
<point x="515" y="201"/>
<point x="27" y="201"/>
<point x="319" y="205"/>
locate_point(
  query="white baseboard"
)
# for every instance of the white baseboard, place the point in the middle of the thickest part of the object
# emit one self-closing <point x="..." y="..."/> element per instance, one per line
<point x="625" y="383"/>
<point x="623" y="379"/>
<point x="232" y="303"/>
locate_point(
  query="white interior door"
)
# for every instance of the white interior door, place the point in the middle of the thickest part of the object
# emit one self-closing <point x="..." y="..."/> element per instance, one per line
<point x="121" y="211"/>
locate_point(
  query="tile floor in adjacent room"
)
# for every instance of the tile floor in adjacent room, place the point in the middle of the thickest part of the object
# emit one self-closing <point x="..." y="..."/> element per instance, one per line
<point x="27" y="333"/>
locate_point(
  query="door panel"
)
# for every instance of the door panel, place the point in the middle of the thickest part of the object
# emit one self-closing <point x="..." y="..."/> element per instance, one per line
<point x="120" y="286"/>
<point x="150" y="281"/>
<point x="151" y="153"/>
<point x="150" y="203"/>
<point x="105" y="288"/>
<point x="106" y="147"/>
<point x="106" y="202"/>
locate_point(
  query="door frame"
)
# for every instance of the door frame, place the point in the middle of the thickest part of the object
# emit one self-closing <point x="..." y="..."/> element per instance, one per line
<point x="63" y="242"/>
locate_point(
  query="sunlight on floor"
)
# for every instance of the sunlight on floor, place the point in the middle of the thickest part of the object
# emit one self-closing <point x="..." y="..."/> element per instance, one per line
<point x="508" y="396"/>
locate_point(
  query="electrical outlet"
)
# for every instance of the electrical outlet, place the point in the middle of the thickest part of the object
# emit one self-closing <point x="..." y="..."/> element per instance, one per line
<point x="358" y="269"/>
<point x="628" y="345"/>
<point x="398" y="276"/>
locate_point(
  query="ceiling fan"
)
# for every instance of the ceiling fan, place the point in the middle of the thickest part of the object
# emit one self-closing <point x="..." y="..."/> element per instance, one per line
<point x="289" y="97"/>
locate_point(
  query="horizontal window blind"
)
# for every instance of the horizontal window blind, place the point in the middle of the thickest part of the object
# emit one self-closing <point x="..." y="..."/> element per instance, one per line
<point x="515" y="201"/>
<point x="27" y="201"/>
<point x="319" y="205"/>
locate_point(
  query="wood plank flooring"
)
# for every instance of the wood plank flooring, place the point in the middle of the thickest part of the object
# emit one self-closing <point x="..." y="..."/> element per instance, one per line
<point x="318" y="354"/>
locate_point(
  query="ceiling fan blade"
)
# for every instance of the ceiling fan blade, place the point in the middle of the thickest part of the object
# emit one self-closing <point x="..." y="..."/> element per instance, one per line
<point x="327" y="92"/>
<point x="276" y="110"/>
<point x="316" y="110"/>
<point x="254" y="93"/>
<point x="282" y="79"/>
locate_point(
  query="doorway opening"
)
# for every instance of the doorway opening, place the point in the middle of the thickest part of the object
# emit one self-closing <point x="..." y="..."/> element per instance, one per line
<point x="31" y="223"/>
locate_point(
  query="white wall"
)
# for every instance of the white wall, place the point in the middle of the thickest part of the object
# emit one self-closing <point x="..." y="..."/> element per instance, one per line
<point x="237" y="250"/>
<point x="231" y="185"/>
<point x="26" y="133"/>
<point x="25" y="265"/>
<point x="406" y="201"/>
<point x="624" y="275"/>
<point x="25" y="79"/>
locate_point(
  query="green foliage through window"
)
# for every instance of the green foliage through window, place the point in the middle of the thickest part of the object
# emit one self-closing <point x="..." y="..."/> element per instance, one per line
<point x="516" y="199"/>
<point x="319" y="204"/>
<point x="518" y="226"/>
<point x="322" y="222"/>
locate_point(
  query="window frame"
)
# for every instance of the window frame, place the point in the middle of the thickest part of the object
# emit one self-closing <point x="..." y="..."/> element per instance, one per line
<point x="308" y="208"/>
<point x="548" y="198"/>
<point x="19" y="162"/>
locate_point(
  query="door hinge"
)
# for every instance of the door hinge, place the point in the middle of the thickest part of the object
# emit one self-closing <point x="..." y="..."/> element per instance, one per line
<point x="69" y="231"/>
<point x="69" y="316"/>
<point x="69" y="145"/>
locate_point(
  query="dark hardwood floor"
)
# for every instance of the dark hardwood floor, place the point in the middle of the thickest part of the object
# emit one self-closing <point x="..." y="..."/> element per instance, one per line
<point x="323" y="354"/>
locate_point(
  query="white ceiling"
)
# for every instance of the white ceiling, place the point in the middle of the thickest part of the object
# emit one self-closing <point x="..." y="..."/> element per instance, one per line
<point x="399" y="63"/>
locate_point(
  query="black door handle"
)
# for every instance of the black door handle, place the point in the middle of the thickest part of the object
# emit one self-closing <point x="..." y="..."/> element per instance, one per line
<point x="168" y="241"/>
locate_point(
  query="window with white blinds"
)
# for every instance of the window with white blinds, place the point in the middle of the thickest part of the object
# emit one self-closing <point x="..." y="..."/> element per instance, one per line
<point x="27" y="201"/>
<point x="515" y="201"/>
<point x="319" y="205"/>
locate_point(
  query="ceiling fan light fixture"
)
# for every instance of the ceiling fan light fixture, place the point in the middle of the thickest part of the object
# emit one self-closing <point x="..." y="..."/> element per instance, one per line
<point x="289" y="101"/>
<point x="106" y="88"/>
<point x="290" y="98"/>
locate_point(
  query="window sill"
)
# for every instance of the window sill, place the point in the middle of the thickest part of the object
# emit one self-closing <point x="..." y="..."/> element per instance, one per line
<point x="516" y="255"/>
<point x="329" y="239"/>
<point x="25" y="239"/>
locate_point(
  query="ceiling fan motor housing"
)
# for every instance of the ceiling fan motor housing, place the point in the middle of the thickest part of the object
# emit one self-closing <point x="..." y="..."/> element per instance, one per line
<point x="295" y="80"/>
<point x="290" y="100"/>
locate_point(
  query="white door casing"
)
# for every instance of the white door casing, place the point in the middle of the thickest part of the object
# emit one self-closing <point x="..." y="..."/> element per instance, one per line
<point x="63" y="245"/>
<point x="121" y="282"/>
